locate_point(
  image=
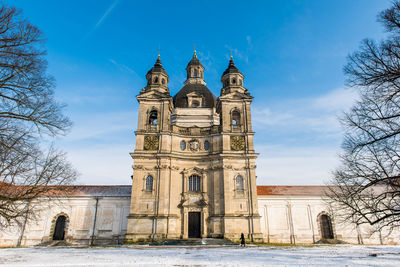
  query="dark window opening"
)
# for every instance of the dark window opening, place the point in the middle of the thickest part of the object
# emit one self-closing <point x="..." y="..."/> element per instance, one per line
<point x="149" y="183"/>
<point x="163" y="81"/>
<point x="183" y="145"/>
<point x="326" y="227"/>
<point x="156" y="79"/>
<point x="206" y="145"/>
<point x="195" y="73"/>
<point x="195" y="104"/>
<point x="235" y="118"/>
<point x="233" y="81"/>
<point x="239" y="183"/>
<point x="194" y="183"/>
<point x="59" y="229"/>
<point x="153" y="118"/>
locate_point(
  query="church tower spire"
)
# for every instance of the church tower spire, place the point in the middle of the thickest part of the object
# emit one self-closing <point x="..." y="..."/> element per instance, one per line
<point x="195" y="71"/>
<point x="157" y="78"/>
<point x="232" y="79"/>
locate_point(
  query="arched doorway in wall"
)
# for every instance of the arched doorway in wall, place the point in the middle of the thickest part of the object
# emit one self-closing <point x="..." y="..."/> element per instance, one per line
<point x="325" y="226"/>
<point x="59" y="228"/>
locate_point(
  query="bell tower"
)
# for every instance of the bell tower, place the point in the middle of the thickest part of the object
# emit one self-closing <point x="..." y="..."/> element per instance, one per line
<point x="238" y="157"/>
<point x="152" y="141"/>
<point x="155" y="101"/>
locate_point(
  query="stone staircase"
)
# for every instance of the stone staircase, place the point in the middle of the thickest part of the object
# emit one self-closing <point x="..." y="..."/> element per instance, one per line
<point x="54" y="243"/>
<point x="194" y="242"/>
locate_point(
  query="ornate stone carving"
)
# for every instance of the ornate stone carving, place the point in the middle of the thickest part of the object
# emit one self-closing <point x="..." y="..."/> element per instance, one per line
<point x="229" y="167"/>
<point x="194" y="145"/>
<point x="138" y="167"/>
<point x="237" y="142"/>
<point x="151" y="142"/>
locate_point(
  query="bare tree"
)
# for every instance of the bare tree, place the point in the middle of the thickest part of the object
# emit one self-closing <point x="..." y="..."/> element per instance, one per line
<point x="28" y="112"/>
<point x="368" y="182"/>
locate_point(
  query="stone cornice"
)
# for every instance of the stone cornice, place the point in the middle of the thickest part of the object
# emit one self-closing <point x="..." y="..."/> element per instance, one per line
<point x="199" y="170"/>
<point x="194" y="155"/>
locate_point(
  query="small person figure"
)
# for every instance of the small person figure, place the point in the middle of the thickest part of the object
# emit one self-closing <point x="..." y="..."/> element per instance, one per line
<point x="242" y="240"/>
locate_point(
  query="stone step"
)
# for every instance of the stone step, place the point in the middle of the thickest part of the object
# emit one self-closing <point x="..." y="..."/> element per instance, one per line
<point x="194" y="242"/>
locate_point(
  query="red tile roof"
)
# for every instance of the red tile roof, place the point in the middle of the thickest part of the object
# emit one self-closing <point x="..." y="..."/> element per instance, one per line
<point x="67" y="190"/>
<point x="92" y="190"/>
<point x="291" y="190"/>
<point x="125" y="190"/>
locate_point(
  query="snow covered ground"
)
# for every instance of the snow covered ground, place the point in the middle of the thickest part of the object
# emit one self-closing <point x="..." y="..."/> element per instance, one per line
<point x="334" y="255"/>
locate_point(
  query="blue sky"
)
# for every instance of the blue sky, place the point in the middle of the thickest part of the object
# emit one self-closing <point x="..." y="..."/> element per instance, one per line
<point x="291" y="52"/>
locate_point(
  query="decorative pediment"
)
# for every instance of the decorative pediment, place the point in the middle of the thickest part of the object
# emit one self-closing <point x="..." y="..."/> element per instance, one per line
<point x="236" y="96"/>
<point x="192" y="199"/>
<point x="194" y="94"/>
<point x="152" y="94"/>
<point x="193" y="170"/>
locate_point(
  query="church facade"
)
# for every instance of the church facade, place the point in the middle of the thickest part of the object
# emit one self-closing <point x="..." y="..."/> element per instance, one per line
<point x="194" y="161"/>
<point x="194" y="176"/>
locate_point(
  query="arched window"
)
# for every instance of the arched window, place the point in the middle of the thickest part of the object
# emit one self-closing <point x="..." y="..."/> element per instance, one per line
<point x="194" y="183"/>
<point x="326" y="227"/>
<point x="163" y="81"/>
<point x="59" y="229"/>
<point x="149" y="183"/>
<point x="195" y="104"/>
<point x="233" y="81"/>
<point x="195" y="73"/>
<point x="235" y="118"/>
<point x="156" y="79"/>
<point x="206" y="145"/>
<point x="183" y="145"/>
<point x="153" y="118"/>
<point x="239" y="183"/>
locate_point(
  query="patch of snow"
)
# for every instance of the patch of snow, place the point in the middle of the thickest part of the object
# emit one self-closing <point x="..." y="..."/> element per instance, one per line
<point x="333" y="255"/>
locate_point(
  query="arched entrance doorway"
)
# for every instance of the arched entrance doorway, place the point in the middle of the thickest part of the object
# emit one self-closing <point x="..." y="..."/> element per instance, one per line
<point x="59" y="228"/>
<point x="326" y="227"/>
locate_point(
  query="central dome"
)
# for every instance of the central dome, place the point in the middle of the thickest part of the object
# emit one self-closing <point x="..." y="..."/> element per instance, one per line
<point x="181" y="99"/>
<point x="194" y="94"/>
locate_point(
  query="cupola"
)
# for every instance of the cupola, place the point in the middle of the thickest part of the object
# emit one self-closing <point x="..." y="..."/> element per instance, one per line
<point x="195" y="71"/>
<point x="157" y="78"/>
<point x="232" y="79"/>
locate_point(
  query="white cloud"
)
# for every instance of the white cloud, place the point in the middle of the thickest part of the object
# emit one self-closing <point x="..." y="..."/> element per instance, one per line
<point x="285" y="165"/>
<point x="103" y="164"/>
<point x="108" y="162"/>
<point x="237" y="53"/>
<point x="95" y="150"/>
<point x="108" y="11"/>
<point x="290" y="160"/>
<point x="101" y="20"/>
<point x="336" y="100"/>
<point x="96" y="125"/>
<point x="122" y="67"/>
<point x="318" y="114"/>
<point x="249" y="42"/>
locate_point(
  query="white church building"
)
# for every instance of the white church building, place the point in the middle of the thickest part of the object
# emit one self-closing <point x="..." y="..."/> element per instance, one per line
<point x="194" y="177"/>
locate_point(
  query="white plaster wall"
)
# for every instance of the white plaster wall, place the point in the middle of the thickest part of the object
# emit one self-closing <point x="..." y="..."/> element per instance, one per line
<point x="293" y="219"/>
<point x="110" y="226"/>
<point x="284" y="219"/>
